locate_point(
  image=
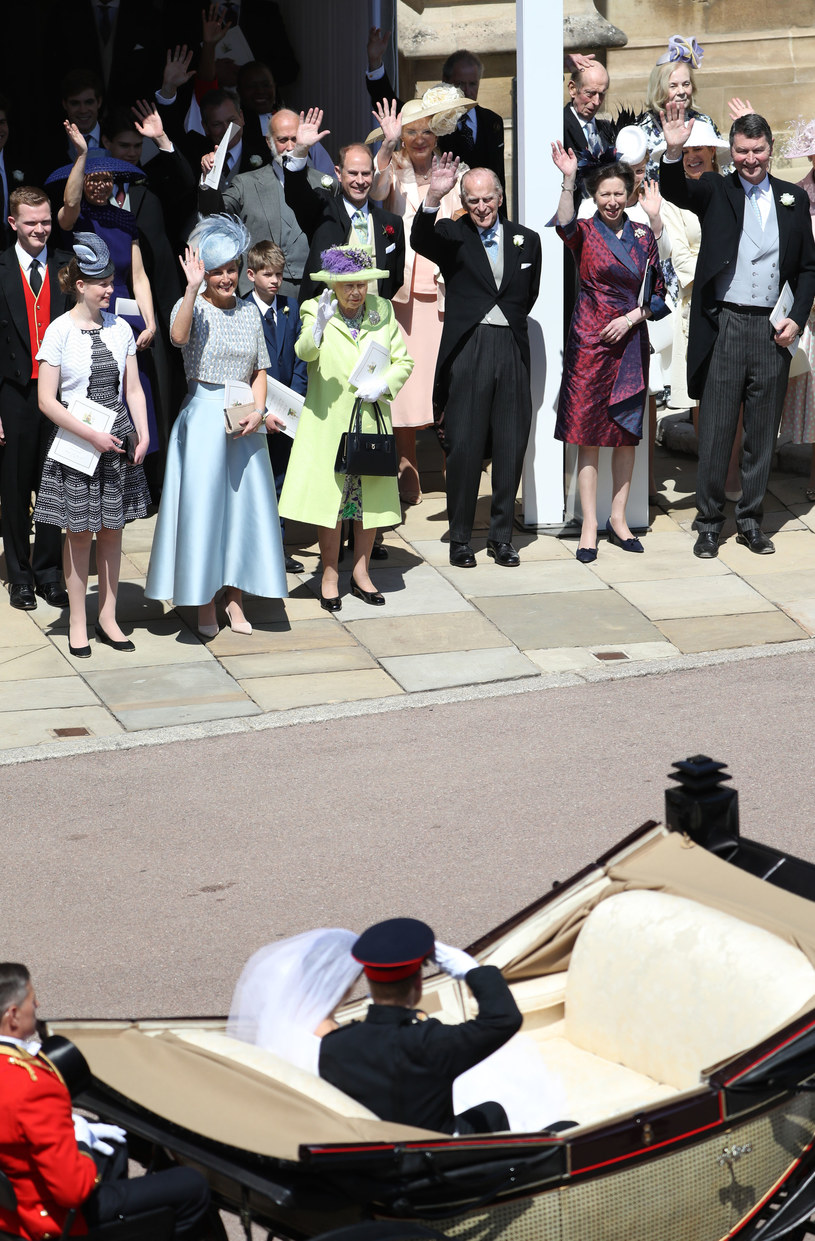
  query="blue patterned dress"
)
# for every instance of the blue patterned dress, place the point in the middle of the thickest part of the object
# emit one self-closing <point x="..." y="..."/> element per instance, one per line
<point x="217" y="522"/>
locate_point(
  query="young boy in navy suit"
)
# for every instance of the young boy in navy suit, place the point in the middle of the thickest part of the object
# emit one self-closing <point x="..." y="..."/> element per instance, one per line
<point x="281" y="326"/>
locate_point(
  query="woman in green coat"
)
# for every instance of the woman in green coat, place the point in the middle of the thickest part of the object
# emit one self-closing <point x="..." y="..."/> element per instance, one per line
<point x="337" y="329"/>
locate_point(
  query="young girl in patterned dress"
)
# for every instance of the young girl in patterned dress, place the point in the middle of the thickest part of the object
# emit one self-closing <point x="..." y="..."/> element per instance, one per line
<point x="91" y="353"/>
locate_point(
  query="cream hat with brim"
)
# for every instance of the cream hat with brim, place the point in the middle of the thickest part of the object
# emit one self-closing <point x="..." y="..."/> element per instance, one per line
<point x="702" y="134"/>
<point x="349" y="266"/>
<point x="444" y="102"/>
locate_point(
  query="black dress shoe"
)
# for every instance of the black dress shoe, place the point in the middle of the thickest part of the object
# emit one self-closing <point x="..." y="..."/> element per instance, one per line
<point x="54" y="594"/>
<point x="127" y="645"/>
<point x="503" y="553"/>
<point x="462" y="556"/>
<point x="330" y="605"/>
<point x="294" y="566"/>
<point x="706" y="546"/>
<point x="757" y="541"/>
<point x="21" y="595"/>
<point x="367" y="596"/>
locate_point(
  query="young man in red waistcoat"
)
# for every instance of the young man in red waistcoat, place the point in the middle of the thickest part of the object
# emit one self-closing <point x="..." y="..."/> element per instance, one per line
<point x="30" y="298"/>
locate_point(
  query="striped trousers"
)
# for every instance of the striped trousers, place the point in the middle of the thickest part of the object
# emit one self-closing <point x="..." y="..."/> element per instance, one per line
<point x="488" y="414"/>
<point x="745" y="366"/>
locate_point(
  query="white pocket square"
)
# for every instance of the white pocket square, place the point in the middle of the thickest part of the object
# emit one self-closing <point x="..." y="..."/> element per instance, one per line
<point x="389" y="249"/>
<point x="523" y="265"/>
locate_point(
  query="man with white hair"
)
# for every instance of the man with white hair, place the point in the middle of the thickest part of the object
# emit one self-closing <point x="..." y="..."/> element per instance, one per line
<point x="491" y="270"/>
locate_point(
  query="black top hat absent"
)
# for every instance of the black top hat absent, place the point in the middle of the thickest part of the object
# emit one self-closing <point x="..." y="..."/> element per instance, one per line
<point x="393" y="949"/>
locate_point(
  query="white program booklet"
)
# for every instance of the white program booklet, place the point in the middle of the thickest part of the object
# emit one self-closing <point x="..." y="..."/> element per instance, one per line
<point x="127" y="306"/>
<point x="233" y="46"/>
<point x="213" y="177"/>
<point x="374" y="362"/>
<point x="781" y="310"/>
<point x="72" y="450"/>
<point x="284" y="404"/>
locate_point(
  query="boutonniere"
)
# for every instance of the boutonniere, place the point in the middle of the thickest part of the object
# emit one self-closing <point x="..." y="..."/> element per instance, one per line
<point x="639" y="232"/>
<point x="255" y="161"/>
<point x="326" y="182"/>
<point x="285" y="310"/>
<point x="373" y="317"/>
<point x="788" y="200"/>
<point x="389" y="230"/>
<point x="518" y="239"/>
<point x="18" y="174"/>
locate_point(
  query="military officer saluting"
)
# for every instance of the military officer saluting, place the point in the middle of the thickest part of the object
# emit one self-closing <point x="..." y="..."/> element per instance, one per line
<point x="46" y="1152"/>
<point x="400" y="1063"/>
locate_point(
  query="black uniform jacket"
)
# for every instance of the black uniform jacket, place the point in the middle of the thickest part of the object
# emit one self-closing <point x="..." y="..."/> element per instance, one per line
<point x="720" y="203"/>
<point x="402" y="1065"/>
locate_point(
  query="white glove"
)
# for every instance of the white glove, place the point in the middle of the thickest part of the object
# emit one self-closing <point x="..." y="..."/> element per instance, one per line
<point x="371" y="389"/>
<point x="326" y="309"/>
<point x="93" y="1135"/>
<point x="454" y="961"/>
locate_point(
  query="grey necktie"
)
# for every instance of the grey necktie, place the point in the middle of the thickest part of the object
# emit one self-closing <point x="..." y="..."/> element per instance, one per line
<point x="752" y="198"/>
<point x="490" y="243"/>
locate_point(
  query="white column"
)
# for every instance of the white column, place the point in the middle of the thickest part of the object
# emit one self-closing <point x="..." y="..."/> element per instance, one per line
<point x="539" y="33"/>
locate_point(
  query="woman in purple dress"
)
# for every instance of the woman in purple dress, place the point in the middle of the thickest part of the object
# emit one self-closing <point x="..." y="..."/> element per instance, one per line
<point x="605" y="367"/>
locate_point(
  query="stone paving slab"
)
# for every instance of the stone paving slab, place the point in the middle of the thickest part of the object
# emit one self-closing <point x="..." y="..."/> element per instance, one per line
<point x="572" y="618"/>
<point x="424" y="672"/>
<point x="715" y="596"/>
<point x="46" y="693"/>
<point x="721" y="633"/>
<point x="424" y="635"/>
<point x="785" y="587"/>
<point x="173" y="693"/>
<point x="39" y="727"/>
<point x="315" y="689"/>
<point x="293" y="662"/>
<point x="578" y="658"/>
<point x="24" y="663"/>
<point x="802" y="611"/>
<point x="532" y="577"/>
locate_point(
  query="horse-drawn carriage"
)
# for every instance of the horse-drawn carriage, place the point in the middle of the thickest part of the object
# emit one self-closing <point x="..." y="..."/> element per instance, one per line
<point x="669" y="988"/>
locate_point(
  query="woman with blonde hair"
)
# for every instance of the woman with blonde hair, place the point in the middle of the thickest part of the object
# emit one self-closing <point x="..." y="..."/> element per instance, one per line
<point x="401" y="177"/>
<point x="672" y="81"/>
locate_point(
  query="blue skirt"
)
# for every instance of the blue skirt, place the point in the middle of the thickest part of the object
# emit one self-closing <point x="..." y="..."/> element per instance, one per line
<point x="217" y="522"/>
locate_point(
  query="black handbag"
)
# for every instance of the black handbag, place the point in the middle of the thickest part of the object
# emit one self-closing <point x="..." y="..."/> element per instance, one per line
<point x="366" y="452"/>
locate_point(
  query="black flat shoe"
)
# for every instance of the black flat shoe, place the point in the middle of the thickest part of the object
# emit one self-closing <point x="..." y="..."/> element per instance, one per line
<point x="79" y="652"/>
<point x="330" y="605"/>
<point x="706" y="546"/>
<point x="367" y="596"/>
<point x="53" y="594"/>
<point x="462" y="556"/>
<point x="101" y="636"/>
<point x="757" y="541"/>
<point x="378" y="552"/>
<point x="628" y="545"/>
<point x="503" y="553"/>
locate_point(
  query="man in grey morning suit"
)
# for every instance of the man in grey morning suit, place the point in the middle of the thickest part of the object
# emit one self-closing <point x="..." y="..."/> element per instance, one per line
<point x="756" y="237"/>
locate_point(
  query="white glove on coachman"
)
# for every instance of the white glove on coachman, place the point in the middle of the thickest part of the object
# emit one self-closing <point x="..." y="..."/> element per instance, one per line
<point x="93" y="1134"/>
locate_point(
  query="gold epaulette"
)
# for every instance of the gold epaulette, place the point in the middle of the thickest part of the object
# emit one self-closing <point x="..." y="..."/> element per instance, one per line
<point x="24" y="1060"/>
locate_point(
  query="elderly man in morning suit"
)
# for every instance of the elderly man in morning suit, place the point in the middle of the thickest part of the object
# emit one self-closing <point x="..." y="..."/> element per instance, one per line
<point x="756" y="239"/>
<point x="491" y="270"/>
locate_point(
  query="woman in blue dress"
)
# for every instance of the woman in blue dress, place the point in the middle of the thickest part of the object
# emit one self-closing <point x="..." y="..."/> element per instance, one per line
<point x="217" y="521"/>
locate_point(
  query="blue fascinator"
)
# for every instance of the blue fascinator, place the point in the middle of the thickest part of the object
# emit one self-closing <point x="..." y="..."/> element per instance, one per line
<point x="219" y="239"/>
<point x="92" y="256"/>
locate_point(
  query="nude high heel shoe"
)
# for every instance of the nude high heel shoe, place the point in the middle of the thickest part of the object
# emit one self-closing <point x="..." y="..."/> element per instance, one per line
<point x="235" y="625"/>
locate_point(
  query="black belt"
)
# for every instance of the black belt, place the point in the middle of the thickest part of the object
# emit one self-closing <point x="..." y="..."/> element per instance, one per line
<point x="764" y="311"/>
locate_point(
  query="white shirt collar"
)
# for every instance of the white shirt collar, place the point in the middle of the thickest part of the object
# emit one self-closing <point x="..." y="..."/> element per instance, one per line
<point x="31" y="1045"/>
<point x="763" y="187"/>
<point x="25" y="259"/>
<point x="351" y="209"/>
<point x="262" y="306"/>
